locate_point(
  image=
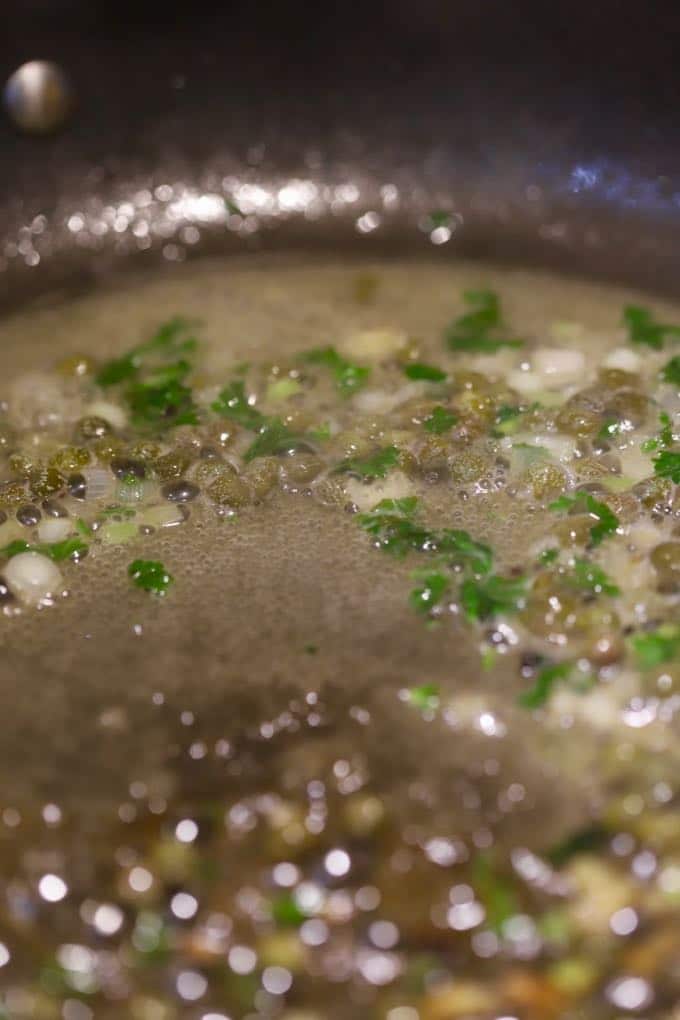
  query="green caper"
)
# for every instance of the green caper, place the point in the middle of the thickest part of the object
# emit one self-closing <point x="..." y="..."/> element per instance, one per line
<point x="12" y="493"/>
<point x="666" y="557"/>
<point x="76" y="365"/>
<point x="229" y="490"/>
<point x="300" y="468"/>
<point x="546" y="481"/>
<point x="574" y="529"/>
<point x="652" y="492"/>
<point x="70" y="459"/>
<point x="628" y="406"/>
<point x="92" y="427"/>
<point x="617" y="379"/>
<point x="145" y="450"/>
<point x="433" y="455"/>
<point x="22" y="465"/>
<point x="45" y="482"/>
<point x="581" y="415"/>
<point x="171" y="465"/>
<point x="466" y="466"/>
<point x="108" y="447"/>
<point x="261" y="476"/>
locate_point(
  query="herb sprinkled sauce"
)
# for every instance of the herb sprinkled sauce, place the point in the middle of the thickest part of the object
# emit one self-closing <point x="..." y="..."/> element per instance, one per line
<point x="339" y="648"/>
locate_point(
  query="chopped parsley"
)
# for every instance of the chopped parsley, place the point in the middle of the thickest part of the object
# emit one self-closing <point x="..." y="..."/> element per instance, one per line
<point x="425" y="697"/>
<point x="439" y="421"/>
<point x="427" y="373"/>
<point x="430" y="592"/>
<point x="375" y="466"/>
<point x="496" y="892"/>
<point x="163" y="398"/>
<point x="480" y="330"/>
<point x="150" y="575"/>
<point x="69" y="548"/>
<point x="548" y="556"/>
<point x="544" y="683"/>
<point x="667" y="465"/>
<point x="657" y="646"/>
<point x="233" y="403"/>
<point x="591" y="578"/>
<point x="607" y="521"/>
<point x="285" y="911"/>
<point x="609" y="430"/>
<point x="172" y="340"/>
<point x="273" y="438"/>
<point x="349" y="377"/>
<point x="642" y="328"/>
<point x="482" y="599"/>
<point x="670" y="372"/>
<point x="583" y="841"/>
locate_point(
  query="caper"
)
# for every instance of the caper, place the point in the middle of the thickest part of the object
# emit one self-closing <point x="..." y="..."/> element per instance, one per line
<point x="581" y="415"/>
<point x="617" y="379"/>
<point x="546" y="481"/>
<point x="145" y="450"/>
<point x="12" y="493"/>
<point x="300" y="468"/>
<point x="261" y="476"/>
<point x="29" y="515"/>
<point x="466" y="466"/>
<point x="329" y="492"/>
<point x="69" y="459"/>
<point x="665" y="559"/>
<point x="628" y="406"/>
<point x="469" y="380"/>
<point x="127" y="467"/>
<point x="433" y="455"/>
<point x="171" y="465"/>
<point x="224" y="433"/>
<point x="652" y="492"/>
<point x="91" y="428"/>
<point x="45" y="482"/>
<point x="22" y="465"/>
<point x="229" y="490"/>
<point x="549" y="612"/>
<point x="108" y="447"/>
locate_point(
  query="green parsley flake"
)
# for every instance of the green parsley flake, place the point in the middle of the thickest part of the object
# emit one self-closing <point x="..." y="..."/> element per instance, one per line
<point x="543" y="686"/>
<point x="607" y="521"/>
<point x="670" y="372"/>
<point x="430" y="592"/>
<point x="591" y="578"/>
<point x="548" y="556"/>
<point x="426" y="373"/>
<point x="667" y="465"/>
<point x="349" y="377"/>
<point x="642" y="329"/>
<point x="69" y="548"/>
<point x="375" y="466"/>
<point x="481" y="329"/>
<point x="482" y="599"/>
<point x="425" y="697"/>
<point x="440" y="421"/>
<point x="150" y="575"/>
<point x="172" y="339"/>
<point x="274" y="438"/>
<point x="233" y="403"/>
<point x="657" y="646"/>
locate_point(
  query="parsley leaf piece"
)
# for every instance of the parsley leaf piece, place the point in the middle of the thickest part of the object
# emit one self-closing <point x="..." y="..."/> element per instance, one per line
<point x="150" y="575"/>
<point x="164" y="399"/>
<point x="495" y="892"/>
<point x="427" y="373"/>
<point x="491" y="595"/>
<point x="657" y="646"/>
<point x="349" y="377"/>
<point x="607" y="521"/>
<point x="233" y="403"/>
<point x="286" y="913"/>
<point x="392" y="526"/>
<point x="172" y="339"/>
<point x="670" y="372"/>
<point x="642" y="329"/>
<point x="610" y="429"/>
<point x="424" y="697"/>
<point x="19" y="545"/>
<point x="548" y="556"/>
<point x="375" y="466"/>
<point x="584" y="841"/>
<point x="546" y="679"/>
<point x="667" y="465"/>
<point x="430" y="592"/>
<point x="460" y="545"/>
<point x="68" y="548"/>
<point x="481" y="329"/>
<point x="440" y="421"/>
<point x="57" y="551"/>
<point x="273" y="438"/>
<point x="591" y="578"/>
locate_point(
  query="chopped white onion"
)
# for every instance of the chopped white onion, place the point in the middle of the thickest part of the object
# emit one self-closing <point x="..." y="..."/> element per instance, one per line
<point x="558" y="365"/>
<point x="395" y="486"/>
<point x="100" y="482"/>
<point x="111" y="413"/>
<point x="373" y="344"/>
<point x="54" y="529"/>
<point x="32" y="577"/>
<point x="623" y="358"/>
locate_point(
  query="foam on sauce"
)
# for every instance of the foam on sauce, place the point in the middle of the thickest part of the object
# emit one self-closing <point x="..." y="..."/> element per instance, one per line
<point x="279" y="790"/>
